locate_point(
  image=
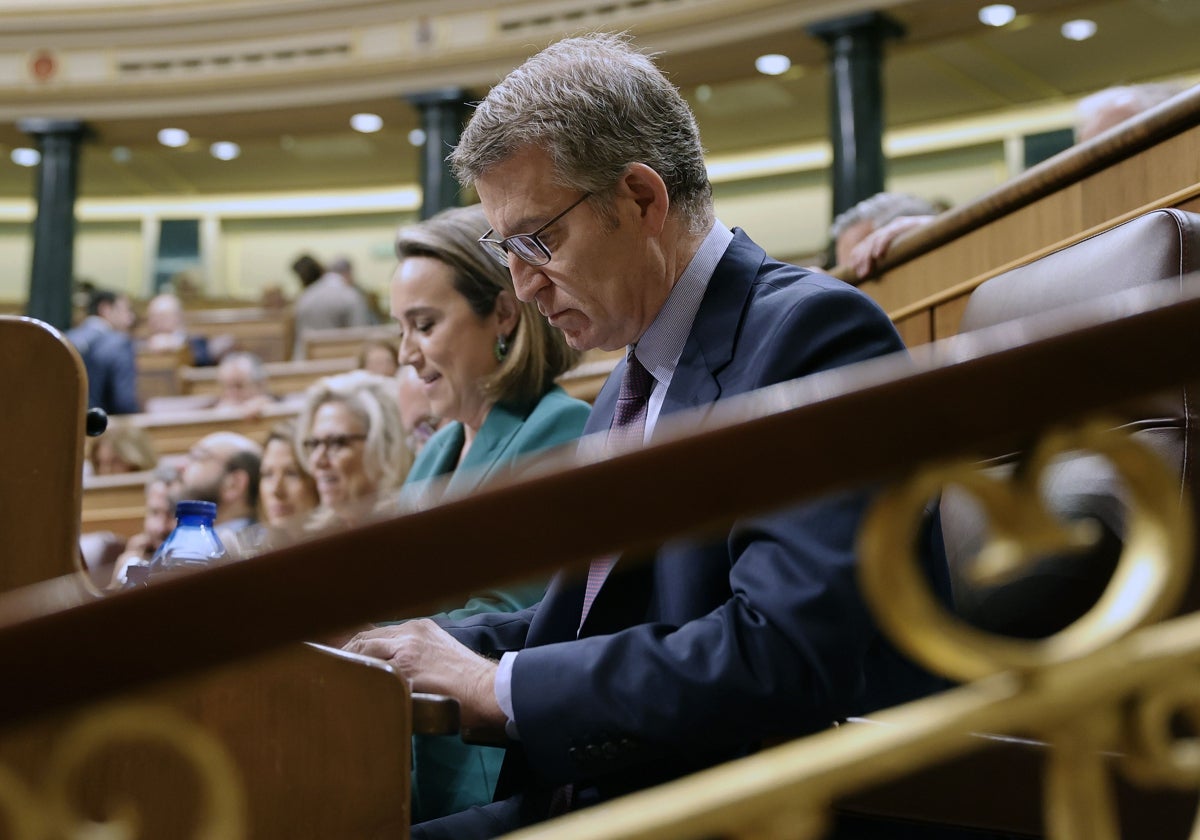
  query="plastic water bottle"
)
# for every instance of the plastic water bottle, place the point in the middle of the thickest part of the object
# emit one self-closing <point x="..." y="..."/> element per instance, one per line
<point x="194" y="542"/>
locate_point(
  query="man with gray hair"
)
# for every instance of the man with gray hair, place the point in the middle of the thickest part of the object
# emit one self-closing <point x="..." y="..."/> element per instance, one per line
<point x="223" y="468"/>
<point x="589" y="167"/>
<point x="1112" y="106"/>
<point x="863" y="233"/>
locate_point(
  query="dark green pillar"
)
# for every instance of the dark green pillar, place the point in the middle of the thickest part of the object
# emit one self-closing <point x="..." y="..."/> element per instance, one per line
<point x="442" y="113"/>
<point x="856" y="102"/>
<point x="53" y="271"/>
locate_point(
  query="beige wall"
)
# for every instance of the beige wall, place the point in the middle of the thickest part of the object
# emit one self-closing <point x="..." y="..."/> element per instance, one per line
<point x="258" y="253"/>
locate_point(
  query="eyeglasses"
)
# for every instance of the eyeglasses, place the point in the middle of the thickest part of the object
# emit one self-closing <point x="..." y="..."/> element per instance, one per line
<point x="333" y="444"/>
<point x="527" y="246"/>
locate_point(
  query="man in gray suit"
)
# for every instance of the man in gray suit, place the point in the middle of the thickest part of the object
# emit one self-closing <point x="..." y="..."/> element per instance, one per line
<point x="103" y="341"/>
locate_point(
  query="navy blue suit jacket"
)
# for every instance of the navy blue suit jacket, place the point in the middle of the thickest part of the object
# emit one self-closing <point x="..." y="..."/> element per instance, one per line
<point x="713" y="647"/>
<point x="108" y="356"/>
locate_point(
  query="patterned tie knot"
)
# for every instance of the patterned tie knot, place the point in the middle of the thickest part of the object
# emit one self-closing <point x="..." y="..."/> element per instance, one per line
<point x="634" y="394"/>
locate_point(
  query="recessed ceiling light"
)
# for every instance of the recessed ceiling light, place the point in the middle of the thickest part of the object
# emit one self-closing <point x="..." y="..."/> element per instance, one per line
<point x="703" y="93"/>
<point x="366" y="123"/>
<point x="174" y="137"/>
<point x="417" y="137"/>
<point x="121" y="154"/>
<point x="1079" y="30"/>
<point x="772" y="64"/>
<point x="997" y="14"/>
<point x="23" y="156"/>
<point x="224" y="150"/>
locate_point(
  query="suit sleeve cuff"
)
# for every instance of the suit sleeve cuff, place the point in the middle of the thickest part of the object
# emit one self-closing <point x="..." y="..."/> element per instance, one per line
<point x="504" y="693"/>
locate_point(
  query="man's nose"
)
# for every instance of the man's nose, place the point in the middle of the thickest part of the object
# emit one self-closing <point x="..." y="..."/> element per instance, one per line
<point x="527" y="279"/>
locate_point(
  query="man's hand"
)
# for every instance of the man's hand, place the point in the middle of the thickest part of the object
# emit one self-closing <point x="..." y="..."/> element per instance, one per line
<point x="434" y="662"/>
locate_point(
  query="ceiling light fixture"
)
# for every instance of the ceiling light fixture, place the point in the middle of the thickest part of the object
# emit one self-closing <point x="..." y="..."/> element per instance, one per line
<point x="224" y="150"/>
<point x="24" y="156"/>
<point x="1079" y="30"/>
<point x="997" y="14"/>
<point x="772" y="64"/>
<point x="366" y="123"/>
<point x="417" y="137"/>
<point x="174" y="137"/>
<point x="121" y="154"/>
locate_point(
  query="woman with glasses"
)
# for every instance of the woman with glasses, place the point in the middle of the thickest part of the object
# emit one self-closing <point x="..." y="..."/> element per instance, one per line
<point x="487" y="363"/>
<point x="352" y="444"/>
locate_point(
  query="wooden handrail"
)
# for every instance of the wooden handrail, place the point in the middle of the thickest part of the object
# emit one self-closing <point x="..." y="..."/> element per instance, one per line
<point x="975" y="395"/>
<point x="1074" y="164"/>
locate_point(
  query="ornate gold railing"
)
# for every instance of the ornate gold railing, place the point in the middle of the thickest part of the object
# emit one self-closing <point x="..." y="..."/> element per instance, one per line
<point x="1102" y="684"/>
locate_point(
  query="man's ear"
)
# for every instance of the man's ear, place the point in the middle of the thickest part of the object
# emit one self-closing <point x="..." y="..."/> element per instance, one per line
<point x="648" y="190"/>
<point x="507" y="312"/>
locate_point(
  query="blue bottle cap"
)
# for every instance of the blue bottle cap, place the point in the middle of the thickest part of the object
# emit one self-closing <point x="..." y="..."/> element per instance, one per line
<point x="191" y="507"/>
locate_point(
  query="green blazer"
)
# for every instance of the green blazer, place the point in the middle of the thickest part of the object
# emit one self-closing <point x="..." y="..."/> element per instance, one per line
<point x="448" y="775"/>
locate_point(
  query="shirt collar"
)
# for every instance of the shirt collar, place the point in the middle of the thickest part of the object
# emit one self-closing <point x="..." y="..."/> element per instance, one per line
<point x="661" y="345"/>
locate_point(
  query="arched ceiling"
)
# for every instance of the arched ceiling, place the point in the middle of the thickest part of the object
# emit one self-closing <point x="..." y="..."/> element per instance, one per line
<point x="282" y="77"/>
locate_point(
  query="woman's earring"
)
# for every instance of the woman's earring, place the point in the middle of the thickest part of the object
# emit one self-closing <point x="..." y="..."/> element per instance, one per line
<point x="501" y="347"/>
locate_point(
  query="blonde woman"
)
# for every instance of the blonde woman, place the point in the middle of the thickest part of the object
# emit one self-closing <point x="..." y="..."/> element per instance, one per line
<point x="351" y="442"/>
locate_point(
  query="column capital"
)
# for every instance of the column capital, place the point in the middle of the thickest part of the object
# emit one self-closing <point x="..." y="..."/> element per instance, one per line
<point x="860" y="23"/>
<point x="437" y="97"/>
<point x="47" y="126"/>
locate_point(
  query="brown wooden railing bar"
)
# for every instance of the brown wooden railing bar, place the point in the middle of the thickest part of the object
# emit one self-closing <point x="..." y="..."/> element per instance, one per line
<point x="976" y="395"/>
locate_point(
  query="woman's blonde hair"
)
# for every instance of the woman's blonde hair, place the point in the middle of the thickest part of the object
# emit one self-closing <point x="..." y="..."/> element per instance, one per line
<point x="537" y="352"/>
<point x="285" y="432"/>
<point x="372" y="399"/>
<point x="131" y="444"/>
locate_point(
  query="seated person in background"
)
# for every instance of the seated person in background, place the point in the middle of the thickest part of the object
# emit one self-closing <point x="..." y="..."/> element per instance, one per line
<point x="416" y="414"/>
<point x="242" y="383"/>
<point x="863" y="234"/>
<point x="286" y="494"/>
<point x="488" y="363"/>
<point x="589" y="165"/>
<point x="159" y="520"/>
<point x="378" y="357"/>
<point x="352" y="444"/>
<point x="332" y="301"/>
<point x="165" y="331"/>
<point x="1104" y="109"/>
<point x="103" y="341"/>
<point x="123" y="448"/>
<point x="223" y="468"/>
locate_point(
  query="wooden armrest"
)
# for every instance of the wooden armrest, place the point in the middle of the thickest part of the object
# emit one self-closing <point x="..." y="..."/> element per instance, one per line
<point x="434" y="714"/>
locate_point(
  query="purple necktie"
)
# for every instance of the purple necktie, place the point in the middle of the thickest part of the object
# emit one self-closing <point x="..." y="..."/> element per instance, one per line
<point x="627" y="431"/>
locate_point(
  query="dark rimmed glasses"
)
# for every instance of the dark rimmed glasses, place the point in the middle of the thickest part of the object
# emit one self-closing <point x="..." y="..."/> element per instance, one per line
<point x="333" y="444"/>
<point x="526" y="246"/>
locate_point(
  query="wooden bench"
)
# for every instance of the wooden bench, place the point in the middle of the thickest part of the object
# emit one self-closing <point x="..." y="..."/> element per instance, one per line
<point x="282" y="377"/>
<point x="343" y="341"/>
<point x="174" y="434"/>
<point x="115" y="503"/>
<point x="157" y="372"/>
<point x="264" y="332"/>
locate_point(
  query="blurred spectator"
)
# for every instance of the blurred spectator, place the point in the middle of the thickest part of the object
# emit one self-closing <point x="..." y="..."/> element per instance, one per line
<point x="1101" y="111"/>
<point x="285" y="491"/>
<point x="307" y="270"/>
<point x="330" y="302"/>
<point x="123" y="448"/>
<point x="416" y="412"/>
<point x="863" y="233"/>
<point x="159" y="520"/>
<point x="223" y="468"/>
<point x="107" y="350"/>
<point x="352" y="443"/>
<point x="165" y="331"/>
<point x="379" y="357"/>
<point x="242" y="380"/>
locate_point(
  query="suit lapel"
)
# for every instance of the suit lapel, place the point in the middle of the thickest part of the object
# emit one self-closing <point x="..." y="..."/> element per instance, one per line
<point x="709" y="346"/>
<point x="487" y="451"/>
